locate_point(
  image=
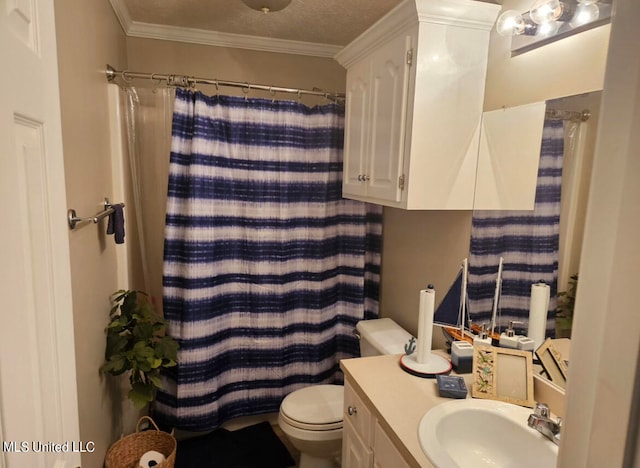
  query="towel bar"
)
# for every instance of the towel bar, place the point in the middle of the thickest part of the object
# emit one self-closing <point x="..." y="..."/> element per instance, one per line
<point x="73" y="218"/>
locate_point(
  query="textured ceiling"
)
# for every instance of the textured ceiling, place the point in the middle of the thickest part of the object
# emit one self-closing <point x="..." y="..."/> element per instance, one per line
<point x="334" y="22"/>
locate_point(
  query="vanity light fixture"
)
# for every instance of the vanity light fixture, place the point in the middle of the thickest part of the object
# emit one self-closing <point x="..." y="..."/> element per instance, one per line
<point x="267" y="6"/>
<point x="585" y="13"/>
<point x="548" y="19"/>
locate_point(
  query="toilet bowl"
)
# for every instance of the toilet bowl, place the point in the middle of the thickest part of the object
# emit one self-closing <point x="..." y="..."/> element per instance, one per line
<point x="312" y="417"/>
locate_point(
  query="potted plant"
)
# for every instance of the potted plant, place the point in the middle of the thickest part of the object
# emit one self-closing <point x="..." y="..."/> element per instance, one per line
<point x="138" y="343"/>
<point x="565" y="307"/>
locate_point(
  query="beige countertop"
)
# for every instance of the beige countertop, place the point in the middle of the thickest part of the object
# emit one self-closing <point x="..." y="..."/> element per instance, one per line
<point x="397" y="399"/>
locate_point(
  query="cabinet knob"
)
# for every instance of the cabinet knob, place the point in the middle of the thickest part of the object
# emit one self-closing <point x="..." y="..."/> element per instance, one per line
<point x="351" y="410"/>
<point x="366" y="178"/>
<point x="359" y="177"/>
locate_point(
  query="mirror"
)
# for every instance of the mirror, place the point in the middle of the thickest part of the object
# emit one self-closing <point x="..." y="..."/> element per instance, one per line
<point x="553" y="363"/>
<point x="579" y="147"/>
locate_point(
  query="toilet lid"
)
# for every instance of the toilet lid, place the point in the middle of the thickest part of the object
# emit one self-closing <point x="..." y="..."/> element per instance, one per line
<point x="315" y="405"/>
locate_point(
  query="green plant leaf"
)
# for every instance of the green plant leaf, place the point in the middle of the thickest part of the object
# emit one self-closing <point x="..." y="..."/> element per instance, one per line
<point x="137" y="342"/>
<point x="141" y="394"/>
<point x="115" y="366"/>
<point x="155" y="380"/>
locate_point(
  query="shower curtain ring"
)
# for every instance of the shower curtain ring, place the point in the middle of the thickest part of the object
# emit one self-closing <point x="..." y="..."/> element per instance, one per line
<point x="124" y="77"/>
<point x="299" y="95"/>
<point x="246" y="90"/>
<point x="157" y="82"/>
<point x="273" y="94"/>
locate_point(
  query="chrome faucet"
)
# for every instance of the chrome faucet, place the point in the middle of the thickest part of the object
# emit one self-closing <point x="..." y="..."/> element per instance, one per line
<point x="541" y="421"/>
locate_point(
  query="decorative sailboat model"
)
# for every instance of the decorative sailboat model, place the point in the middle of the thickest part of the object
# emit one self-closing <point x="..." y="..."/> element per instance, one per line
<point x="451" y="314"/>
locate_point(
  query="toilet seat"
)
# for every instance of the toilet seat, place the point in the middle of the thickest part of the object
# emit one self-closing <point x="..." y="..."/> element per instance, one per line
<point x="314" y="408"/>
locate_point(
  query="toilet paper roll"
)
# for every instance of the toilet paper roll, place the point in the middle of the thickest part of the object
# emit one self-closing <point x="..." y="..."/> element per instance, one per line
<point x="425" y="325"/>
<point x="538" y="309"/>
<point x="150" y="459"/>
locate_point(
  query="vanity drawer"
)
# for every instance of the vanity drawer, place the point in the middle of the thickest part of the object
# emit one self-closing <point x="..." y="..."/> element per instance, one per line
<point x="357" y="413"/>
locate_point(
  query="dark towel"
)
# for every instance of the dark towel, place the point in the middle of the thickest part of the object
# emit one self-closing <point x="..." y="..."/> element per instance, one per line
<point x="252" y="447"/>
<point x="116" y="224"/>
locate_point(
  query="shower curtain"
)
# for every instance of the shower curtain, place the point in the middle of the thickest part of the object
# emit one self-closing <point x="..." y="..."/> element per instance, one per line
<point x="147" y="115"/>
<point x="266" y="268"/>
<point x="527" y="241"/>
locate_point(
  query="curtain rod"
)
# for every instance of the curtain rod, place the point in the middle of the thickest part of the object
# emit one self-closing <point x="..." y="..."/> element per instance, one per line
<point x="190" y="82"/>
<point x="575" y="116"/>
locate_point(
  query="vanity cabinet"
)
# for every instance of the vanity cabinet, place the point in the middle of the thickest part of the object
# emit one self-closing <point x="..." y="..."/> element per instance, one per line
<point x="365" y="443"/>
<point x="415" y="90"/>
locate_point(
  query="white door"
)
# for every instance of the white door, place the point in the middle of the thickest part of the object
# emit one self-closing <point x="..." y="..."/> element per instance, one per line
<point x="38" y="396"/>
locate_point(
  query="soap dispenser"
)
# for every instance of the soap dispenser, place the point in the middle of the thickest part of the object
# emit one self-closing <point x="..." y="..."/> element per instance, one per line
<point x="483" y="337"/>
<point x="508" y="338"/>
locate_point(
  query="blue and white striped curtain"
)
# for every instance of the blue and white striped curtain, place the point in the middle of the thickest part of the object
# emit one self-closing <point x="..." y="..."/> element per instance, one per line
<point x="267" y="269"/>
<point x="527" y="241"/>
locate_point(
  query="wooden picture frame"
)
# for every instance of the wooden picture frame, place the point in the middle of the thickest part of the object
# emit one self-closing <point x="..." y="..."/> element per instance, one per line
<point x="503" y="374"/>
<point x="552" y="363"/>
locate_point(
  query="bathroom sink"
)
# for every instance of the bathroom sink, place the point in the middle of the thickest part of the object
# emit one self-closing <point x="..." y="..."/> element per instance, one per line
<point x="483" y="433"/>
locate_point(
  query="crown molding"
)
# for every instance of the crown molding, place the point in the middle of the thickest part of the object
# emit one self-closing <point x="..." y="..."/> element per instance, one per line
<point x="396" y="21"/>
<point x="214" y="38"/>
<point x="409" y="13"/>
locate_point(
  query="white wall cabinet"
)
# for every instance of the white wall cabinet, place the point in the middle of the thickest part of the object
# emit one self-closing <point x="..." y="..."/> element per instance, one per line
<point x="365" y="443"/>
<point x="415" y="89"/>
<point x="377" y="88"/>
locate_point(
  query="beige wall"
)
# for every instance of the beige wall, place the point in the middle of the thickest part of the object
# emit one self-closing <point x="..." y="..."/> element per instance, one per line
<point x="420" y="248"/>
<point x="88" y="37"/>
<point x="571" y="66"/>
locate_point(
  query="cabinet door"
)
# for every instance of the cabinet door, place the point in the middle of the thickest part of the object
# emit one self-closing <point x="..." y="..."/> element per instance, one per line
<point x="358" y="414"/>
<point x="508" y="158"/>
<point x="356" y="132"/>
<point x="386" y="455"/>
<point x="355" y="453"/>
<point x="389" y="87"/>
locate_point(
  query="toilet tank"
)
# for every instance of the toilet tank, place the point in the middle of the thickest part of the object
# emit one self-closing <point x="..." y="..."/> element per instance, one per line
<point x="381" y="336"/>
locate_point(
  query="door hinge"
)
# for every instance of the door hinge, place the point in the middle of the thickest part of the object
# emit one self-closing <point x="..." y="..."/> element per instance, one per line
<point x="410" y="57"/>
<point x="401" y="182"/>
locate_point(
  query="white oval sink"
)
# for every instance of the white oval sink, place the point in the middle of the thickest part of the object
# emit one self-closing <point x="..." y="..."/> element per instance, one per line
<point x="483" y="433"/>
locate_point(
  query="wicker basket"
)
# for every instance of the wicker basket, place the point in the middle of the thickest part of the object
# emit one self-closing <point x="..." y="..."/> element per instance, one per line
<point x="126" y="452"/>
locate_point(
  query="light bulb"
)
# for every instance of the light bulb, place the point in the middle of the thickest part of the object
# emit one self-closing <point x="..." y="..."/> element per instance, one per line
<point x="510" y="23"/>
<point x="585" y="13"/>
<point x="548" y="29"/>
<point x="544" y="11"/>
<point x="587" y="2"/>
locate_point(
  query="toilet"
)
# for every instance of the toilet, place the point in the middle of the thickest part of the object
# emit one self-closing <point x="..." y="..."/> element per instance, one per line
<point x="311" y="417"/>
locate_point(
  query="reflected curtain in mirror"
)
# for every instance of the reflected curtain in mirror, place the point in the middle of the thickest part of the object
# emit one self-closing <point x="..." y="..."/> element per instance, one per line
<point x="528" y="242"/>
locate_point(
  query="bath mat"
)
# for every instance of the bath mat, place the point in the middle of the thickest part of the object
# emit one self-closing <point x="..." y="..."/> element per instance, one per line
<point x="254" y="446"/>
